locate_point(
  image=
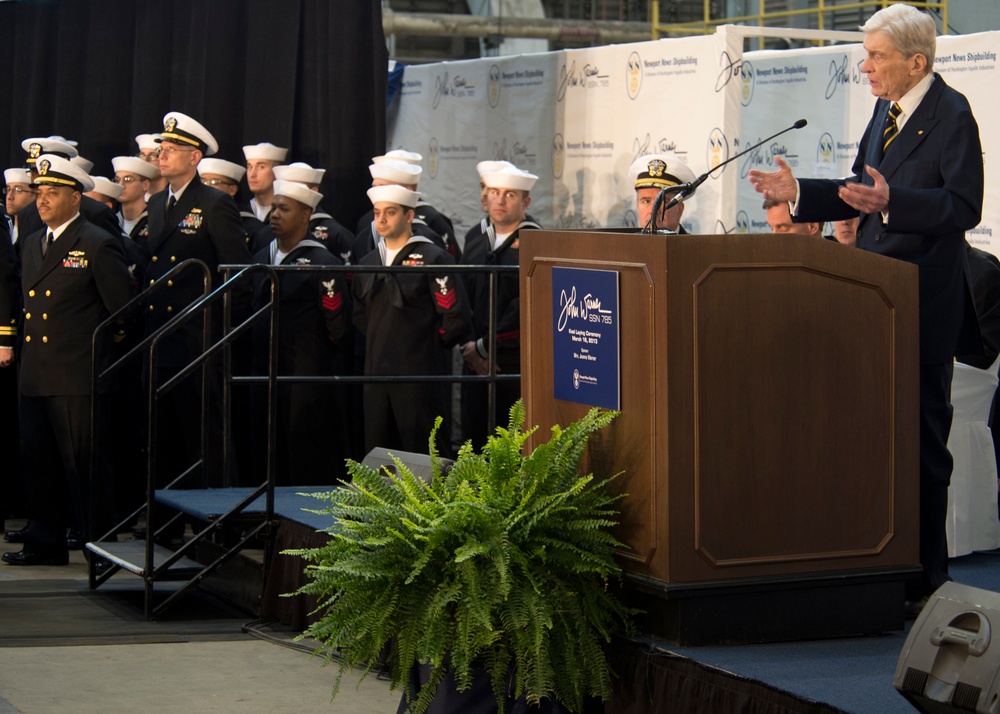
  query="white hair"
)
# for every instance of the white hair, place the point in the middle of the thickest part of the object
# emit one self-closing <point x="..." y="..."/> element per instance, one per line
<point x="910" y="30"/>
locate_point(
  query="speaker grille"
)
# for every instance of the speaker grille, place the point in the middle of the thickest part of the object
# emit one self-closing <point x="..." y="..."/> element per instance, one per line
<point x="966" y="696"/>
<point x="914" y="681"/>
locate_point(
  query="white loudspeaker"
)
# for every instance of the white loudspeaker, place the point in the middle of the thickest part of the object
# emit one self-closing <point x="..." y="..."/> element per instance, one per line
<point x="949" y="662"/>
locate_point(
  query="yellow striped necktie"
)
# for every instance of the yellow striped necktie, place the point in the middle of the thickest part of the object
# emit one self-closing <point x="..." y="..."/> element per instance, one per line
<point x="891" y="131"/>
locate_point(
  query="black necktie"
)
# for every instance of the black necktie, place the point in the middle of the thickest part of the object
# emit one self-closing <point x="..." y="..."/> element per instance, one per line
<point x="171" y="203"/>
<point x="891" y="131"/>
<point x="49" y="237"/>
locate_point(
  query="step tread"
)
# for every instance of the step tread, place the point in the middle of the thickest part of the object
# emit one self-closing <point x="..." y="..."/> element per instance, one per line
<point x="131" y="556"/>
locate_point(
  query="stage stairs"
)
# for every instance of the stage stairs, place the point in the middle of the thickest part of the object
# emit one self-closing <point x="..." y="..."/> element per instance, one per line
<point x="216" y="530"/>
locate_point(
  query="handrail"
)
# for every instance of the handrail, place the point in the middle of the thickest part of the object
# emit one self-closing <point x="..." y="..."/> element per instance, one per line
<point x="490" y="378"/>
<point x="201" y="306"/>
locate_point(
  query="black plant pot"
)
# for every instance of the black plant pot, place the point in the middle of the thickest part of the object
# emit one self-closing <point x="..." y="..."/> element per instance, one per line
<point x="478" y="699"/>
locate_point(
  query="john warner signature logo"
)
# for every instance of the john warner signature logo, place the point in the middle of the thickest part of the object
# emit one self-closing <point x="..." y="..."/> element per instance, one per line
<point x="558" y="155"/>
<point x="824" y="150"/>
<point x="841" y="74"/>
<point x="518" y="153"/>
<point x="457" y="87"/>
<point x="764" y="156"/>
<point x="432" y="157"/>
<point x="747" y="79"/>
<point x="493" y="90"/>
<point x="587" y="77"/>
<point x="588" y="310"/>
<point x="633" y="75"/>
<point x="645" y="145"/>
<point x="717" y="150"/>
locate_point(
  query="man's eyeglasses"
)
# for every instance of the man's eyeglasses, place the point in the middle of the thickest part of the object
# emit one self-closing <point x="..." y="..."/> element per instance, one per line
<point x="17" y="189"/>
<point x="147" y="155"/>
<point x="125" y="179"/>
<point x="169" y="150"/>
<point x="217" y="182"/>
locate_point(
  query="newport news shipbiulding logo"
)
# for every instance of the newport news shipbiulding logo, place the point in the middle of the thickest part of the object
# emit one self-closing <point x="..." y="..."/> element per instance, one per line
<point x="558" y="155"/>
<point x="493" y="87"/>
<point x="633" y="75"/>
<point x="717" y="150"/>
<point x="747" y="81"/>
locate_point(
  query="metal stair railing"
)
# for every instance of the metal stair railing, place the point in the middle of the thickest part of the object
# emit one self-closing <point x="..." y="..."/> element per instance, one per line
<point x="201" y="307"/>
<point x="490" y="378"/>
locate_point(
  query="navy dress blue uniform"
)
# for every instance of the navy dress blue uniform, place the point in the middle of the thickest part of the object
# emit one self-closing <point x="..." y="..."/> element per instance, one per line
<point x="79" y="282"/>
<point x="934" y="169"/>
<point x="314" y="339"/>
<point x="327" y="230"/>
<point x="410" y="324"/>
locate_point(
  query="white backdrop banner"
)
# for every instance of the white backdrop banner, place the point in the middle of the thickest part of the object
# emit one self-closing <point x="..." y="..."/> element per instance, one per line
<point x="578" y="118"/>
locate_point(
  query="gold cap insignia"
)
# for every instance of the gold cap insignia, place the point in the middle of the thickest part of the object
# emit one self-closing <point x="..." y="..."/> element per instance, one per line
<point x="170" y="124"/>
<point x="657" y="167"/>
<point x="35" y="150"/>
<point x="43" y="167"/>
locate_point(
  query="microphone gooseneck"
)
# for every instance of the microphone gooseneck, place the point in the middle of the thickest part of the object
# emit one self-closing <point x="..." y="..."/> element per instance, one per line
<point x="686" y="189"/>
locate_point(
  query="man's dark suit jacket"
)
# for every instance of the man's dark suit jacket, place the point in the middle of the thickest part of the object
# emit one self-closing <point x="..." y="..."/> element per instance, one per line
<point x="984" y="268"/>
<point x="204" y="225"/>
<point x="934" y="169"/>
<point x="79" y="282"/>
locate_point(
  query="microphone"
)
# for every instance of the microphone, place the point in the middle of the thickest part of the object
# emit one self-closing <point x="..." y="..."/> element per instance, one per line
<point x="686" y="189"/>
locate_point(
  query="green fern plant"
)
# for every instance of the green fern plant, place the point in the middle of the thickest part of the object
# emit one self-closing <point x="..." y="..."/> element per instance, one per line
<point x="503" y="561"/>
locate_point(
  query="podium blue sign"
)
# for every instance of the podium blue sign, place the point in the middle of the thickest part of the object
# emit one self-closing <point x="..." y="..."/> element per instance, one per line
<point x="585" y="340"/>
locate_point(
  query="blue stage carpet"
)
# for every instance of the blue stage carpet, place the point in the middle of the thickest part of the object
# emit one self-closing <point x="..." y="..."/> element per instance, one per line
<point x="852" y="674"/>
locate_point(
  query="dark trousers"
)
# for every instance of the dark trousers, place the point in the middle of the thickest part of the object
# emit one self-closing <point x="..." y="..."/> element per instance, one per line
<point x="476" y="413"/>
<point x="935" y="475"/>
<point x="401" y="416"/>
<point x="56" y="454"/>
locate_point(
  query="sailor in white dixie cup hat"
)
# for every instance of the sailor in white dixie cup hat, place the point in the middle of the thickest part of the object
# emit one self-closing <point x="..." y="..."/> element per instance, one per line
<point x="105" y="190"/>
<point x="322" y="226"/>
<point x="410" y="321"/>
<point x="226" y="176"/>
<point x="149" y="151"/>
<point x="18" y="193"/>
<point x="403" y="168"/>
<point x="261" y="160"/>
<point x="135" y="176"/>
<point x="509" y="195"/>
<point x="292" y="207"/>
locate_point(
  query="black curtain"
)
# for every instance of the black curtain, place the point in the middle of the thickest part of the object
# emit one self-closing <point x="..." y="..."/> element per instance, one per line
<point x="306" y="74"/>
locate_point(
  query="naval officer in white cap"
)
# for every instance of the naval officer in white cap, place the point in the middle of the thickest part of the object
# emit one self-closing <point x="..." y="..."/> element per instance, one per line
<point x="188" y="220"/>
<point x="655" y="173"/>
<point x="74" y="277"/>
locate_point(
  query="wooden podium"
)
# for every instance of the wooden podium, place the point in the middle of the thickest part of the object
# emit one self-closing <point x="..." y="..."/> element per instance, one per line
<point x="768" y="435"/>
